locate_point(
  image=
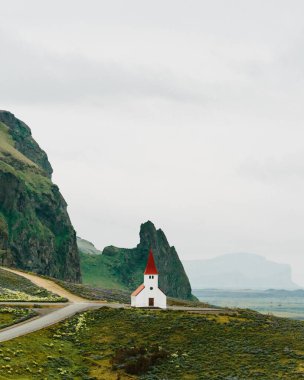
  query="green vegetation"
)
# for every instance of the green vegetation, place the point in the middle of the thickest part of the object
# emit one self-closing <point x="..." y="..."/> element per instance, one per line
<point x="13" y="161"/>
<point x="35" y="230"/>
<point x="116" y="295"/>
<point x="145" y="344"/>
<point x="7" y="146"/>
<point x="100" y="271"/>
<point x="12" y="315"/>
<point x="98" y="294"/>
<point x="122" y="268"/>
<point x="11" y="283"/>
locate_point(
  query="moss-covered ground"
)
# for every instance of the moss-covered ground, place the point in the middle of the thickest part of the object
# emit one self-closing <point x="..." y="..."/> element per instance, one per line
<point x="17" y="288"/>
<point x="12" y="315"/>
<point x="153" y="344"/>
<point x="99" y="271"/>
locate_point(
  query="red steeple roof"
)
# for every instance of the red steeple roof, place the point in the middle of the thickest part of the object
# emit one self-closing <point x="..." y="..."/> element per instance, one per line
<point x="151" y="268"/>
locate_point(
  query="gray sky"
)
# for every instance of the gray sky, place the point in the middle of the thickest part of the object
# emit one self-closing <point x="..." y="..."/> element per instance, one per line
<point x="187" y="113"/>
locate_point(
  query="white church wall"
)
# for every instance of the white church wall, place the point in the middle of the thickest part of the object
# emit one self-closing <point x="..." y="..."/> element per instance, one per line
<point x="142" y="299"/>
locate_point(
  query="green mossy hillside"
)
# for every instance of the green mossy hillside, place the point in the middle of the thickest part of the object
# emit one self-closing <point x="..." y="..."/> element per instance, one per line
<point x="35" y="230"/>
<point x="100" y="271"/>
<point x="111" y="344"/>
<point x="10" y="315"/>
<point x="15" y="288"/>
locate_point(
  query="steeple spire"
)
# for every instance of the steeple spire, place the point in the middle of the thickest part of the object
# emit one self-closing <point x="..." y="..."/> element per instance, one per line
<point x="151" y="267"/>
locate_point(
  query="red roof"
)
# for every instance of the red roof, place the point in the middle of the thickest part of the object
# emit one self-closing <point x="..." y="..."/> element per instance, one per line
<point x="138" y="290"/>
<point x="151" y="268"/>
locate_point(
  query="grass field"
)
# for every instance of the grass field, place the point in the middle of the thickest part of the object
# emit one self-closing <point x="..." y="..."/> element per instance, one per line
<point x="17" y="288"/>
<point x="98" y="294"/>
<point x="12" y="315"/>
<point x="141" y="344"/>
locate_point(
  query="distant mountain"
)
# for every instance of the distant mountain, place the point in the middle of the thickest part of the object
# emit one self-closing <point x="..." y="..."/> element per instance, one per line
<point x="123" y="267"/>
<point x="86" y="246"/>
<point x="239" y="271"/>
<point x="36" y="233"/>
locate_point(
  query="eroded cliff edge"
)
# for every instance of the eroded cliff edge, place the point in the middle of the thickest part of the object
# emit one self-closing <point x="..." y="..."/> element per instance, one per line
<point x="36" y="233"/>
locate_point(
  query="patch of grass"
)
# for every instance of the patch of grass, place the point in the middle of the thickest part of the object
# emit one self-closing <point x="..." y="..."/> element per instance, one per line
<point x="98" y="294"/>
<point x="7" y="146"/>
<point x="17" y="288"/>
<point x="14" y="162"/>
<point x="12" y="315"/>
<point x="178" y="302"/>
<point x="97" y="272"/>
<point x="151" y="344"/>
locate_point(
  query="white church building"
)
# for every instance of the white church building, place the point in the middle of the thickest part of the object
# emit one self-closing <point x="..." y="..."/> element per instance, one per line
<point x="148" y="294"/>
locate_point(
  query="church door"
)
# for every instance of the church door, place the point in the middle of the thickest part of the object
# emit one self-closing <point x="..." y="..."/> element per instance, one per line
<point x="151" y="301"/>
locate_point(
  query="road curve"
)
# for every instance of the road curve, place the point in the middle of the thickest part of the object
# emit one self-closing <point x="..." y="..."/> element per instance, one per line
<point x="50" y="319"/>
<point x="62" y="311"/>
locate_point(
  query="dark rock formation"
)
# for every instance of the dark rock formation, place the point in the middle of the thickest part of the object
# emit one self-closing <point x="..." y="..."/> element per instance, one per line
<point x="126" y="266"/>
<point x="35" y="230"/>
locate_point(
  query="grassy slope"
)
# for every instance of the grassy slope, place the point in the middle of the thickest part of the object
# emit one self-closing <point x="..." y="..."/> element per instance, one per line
<point x="18" y="288"/>
<point x="30" y="173"/>
<point x="91" y="293"/>
<point x="7" y="146"/>
<point x="97" y="271"/>
<point x="12" y="315"/>
<point x="193" y="346"/>
<point x="37" y="225"/>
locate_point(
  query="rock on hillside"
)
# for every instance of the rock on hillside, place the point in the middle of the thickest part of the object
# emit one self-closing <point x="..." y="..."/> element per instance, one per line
<point x="35" y="230"/>
<point x="122" y="267"/>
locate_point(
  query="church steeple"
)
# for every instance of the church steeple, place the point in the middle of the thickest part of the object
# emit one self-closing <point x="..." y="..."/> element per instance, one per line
<point x="151" y="267"/>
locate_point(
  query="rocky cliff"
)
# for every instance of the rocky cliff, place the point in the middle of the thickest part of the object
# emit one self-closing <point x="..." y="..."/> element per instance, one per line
<point x="35" y="230"/>
<point x="122" y="267"/>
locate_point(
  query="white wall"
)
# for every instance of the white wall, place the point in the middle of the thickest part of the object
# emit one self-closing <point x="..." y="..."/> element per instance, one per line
<point x="151" y="290"/>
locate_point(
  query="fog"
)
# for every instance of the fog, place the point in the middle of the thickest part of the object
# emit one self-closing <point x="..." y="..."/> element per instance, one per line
<point x="189" y="114"/>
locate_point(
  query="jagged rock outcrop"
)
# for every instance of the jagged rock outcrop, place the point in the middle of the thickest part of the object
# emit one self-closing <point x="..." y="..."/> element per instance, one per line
<point x="35" y="230"/>
<point x="125" y="267"/>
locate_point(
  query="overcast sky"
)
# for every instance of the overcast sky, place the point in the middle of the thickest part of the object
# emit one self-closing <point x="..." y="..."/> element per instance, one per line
<point x="187" y="113"/>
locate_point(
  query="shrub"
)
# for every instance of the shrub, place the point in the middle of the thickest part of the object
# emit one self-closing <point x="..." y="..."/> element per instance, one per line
<point x="138" y="360"/>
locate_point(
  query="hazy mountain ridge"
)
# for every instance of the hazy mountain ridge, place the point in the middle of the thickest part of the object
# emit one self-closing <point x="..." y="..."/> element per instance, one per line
<point x="86" y="246"/>
<point x="239" y="271"/>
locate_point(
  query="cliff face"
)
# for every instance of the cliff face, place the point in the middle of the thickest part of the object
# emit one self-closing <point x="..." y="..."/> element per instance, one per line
<point x="35" y="230"/>
<point x="173" y="279"/>
<point x="124" y="267"/>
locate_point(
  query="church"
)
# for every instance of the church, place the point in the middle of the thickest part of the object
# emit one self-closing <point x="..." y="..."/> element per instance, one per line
<point x="148" y="294"/>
